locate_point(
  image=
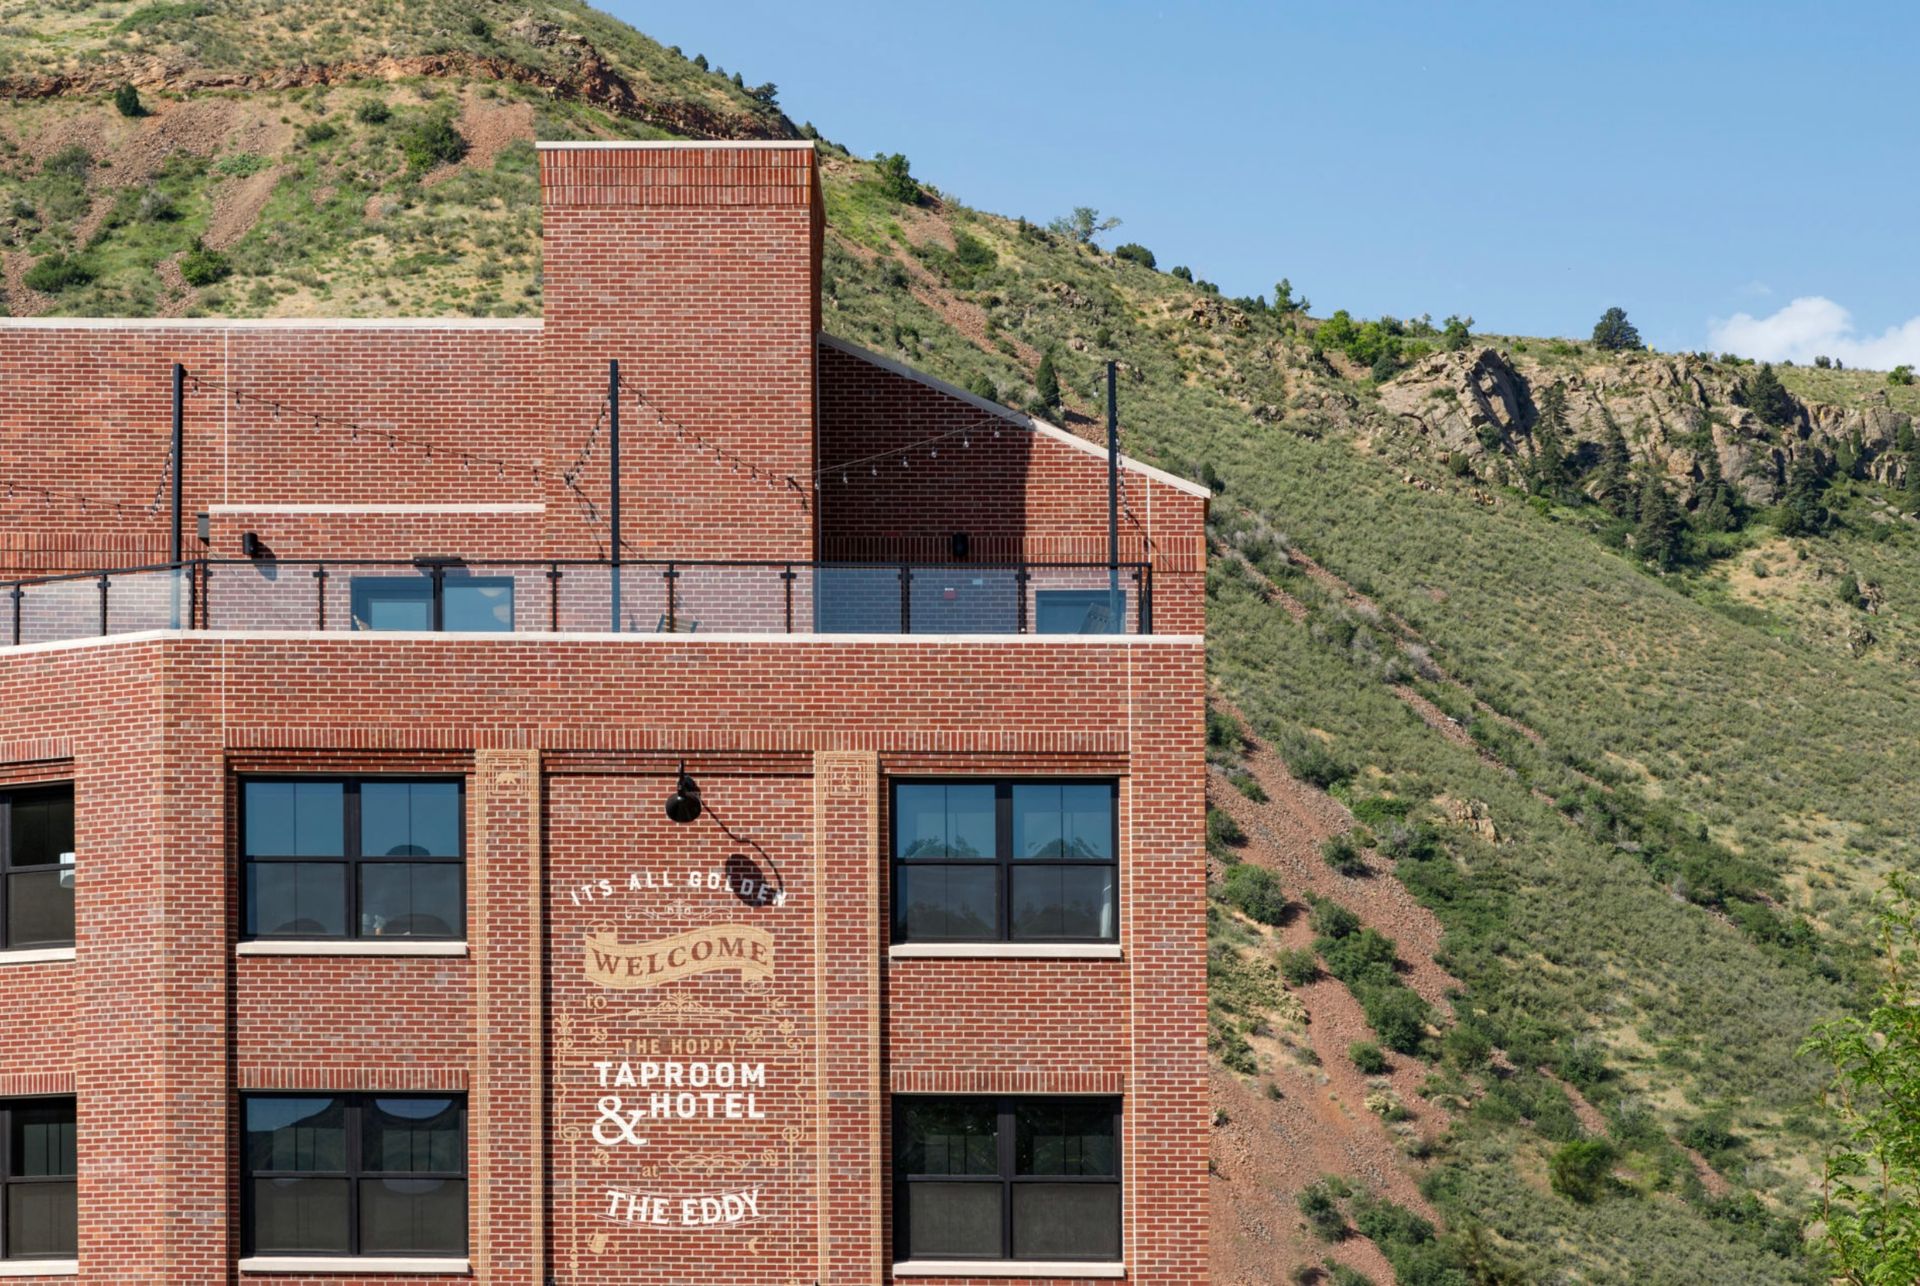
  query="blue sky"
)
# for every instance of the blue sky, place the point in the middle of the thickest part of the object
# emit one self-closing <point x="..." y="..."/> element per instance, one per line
<point x="1703" y="165"/>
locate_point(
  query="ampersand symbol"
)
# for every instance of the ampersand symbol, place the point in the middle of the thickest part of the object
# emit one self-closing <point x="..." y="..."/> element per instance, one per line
<point x="623" y="1127"/>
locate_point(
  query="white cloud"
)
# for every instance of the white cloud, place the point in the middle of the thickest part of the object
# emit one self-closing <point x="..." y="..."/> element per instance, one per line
<point x="1814" y="326"/>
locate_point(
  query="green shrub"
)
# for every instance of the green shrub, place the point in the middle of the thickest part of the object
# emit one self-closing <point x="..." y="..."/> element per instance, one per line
<point x="1331" y="920"/>
<point x="1256" y="891"/>
<point x="239" y="165"/>
<point x="1367" y="1056"/>
<point x="153" y="15"/>
<point x="1311" y="762"/>
<point x="56" y="273"/>
<point x="1223" y="833"/>
<point x="320" y="132"/>
<point x="202" y="267"/>
<point x="1224" y="731"/>
<point x="1343" y="855"/>
<point x="1579" y="1170"/>
<point x="1398" y="1017"/>
<point x="1467" y="1046"/>
<point x="126" y="100"/>
<point x="1299" y="966"/>
<point x="432" y="141"/>
<point x="1134" y="252"/>
<point x="972" y="253"/>
<point x="1614" y="333"/>
<point x="373" y="111"/>
<point x="1378" y="810"/>
<point x="896" y="179"/>
<point x="1322" y="1210"/>
<point x="1900" y="375"/>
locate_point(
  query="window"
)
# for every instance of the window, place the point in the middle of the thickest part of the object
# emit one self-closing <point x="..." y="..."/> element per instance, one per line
<point x="38" y="1216"/>
<point x="1022" y="861"/>
<point x="379" y="857"/>
<point x="438" y="600"/>
<point x="1007" y="1178"/>
<point x="1079" y="611"/>
<point x="355" y="1174"/>
<point x="36" y="866"/>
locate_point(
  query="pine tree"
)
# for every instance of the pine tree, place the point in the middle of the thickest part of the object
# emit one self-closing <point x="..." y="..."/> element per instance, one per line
<point x="1615" y="475"/>
<point x="1719" y="508"/>
<point x="1614" y="332"/>
<point x="1547" y="474"/>
<point x="1047" y="381"/>
<point x="1767" y="397"/>
<point x="1657" y="538"/>
<point x="1801" y="510"/>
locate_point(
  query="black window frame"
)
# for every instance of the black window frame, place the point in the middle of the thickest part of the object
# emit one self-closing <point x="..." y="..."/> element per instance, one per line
<point x="355" y="1104"/>
<point x="8" y="871"/>
<point x="435" y="580"/>
<point x="1006" y="1143"/>
<point x="351" y="857"/>
<point x="1003" y="860"/>
<point x="9" y="1180"/>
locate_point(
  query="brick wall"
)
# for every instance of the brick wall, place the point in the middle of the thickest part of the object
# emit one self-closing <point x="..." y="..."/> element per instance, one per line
<point x="569" y="750"/>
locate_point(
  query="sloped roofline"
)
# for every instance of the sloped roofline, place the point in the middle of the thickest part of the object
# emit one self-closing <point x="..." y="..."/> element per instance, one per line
<point x="1011" y="416"/>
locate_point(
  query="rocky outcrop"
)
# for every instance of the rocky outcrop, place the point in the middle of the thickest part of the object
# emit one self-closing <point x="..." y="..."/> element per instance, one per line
<point x="590" y="80"/>
<point x="1481" y="404"/>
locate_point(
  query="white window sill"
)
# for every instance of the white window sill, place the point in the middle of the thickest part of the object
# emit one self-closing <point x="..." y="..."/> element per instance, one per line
<point x="1004" y="951"/>
<point x="356" y="1264"/>
<point x="40" y="1267"/>
<point x="33" y="955"/>
<point x="348" y="947"/>
<point x="1004" y="1268"/>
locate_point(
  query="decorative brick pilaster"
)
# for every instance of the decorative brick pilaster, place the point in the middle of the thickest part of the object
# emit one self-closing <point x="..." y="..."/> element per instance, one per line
<point x="506" y="1105"/>
<point x="846" y="792"/>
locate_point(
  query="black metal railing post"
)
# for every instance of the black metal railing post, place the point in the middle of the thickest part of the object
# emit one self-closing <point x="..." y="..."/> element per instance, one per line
<point x="553" y="597"/>
<point x="1146" y="601"/>
<point x="1021" y="579"/>
<point x="105" y="583"/>
<point x="788" y="577"/>
<point x="906" y="599"/>
<point x="671" y="575"/>
<point x="17" y="593"/>
<point x="439" y="616"/>
<point x="320" y="596"/>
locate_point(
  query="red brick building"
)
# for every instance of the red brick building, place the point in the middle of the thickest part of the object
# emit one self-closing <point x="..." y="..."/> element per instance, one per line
<point x="402" y="880"/>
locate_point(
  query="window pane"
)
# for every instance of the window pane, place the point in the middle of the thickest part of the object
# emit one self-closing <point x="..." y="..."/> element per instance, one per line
<point x="297" y="899"/>
<point x="477" y="606"/>
<point x="43" y="1140"/>
<point x="1064" y="1136"/>
<point x="1036" y="820"/>
<point x="295" y="818"/>
<point x="943" y="821"/>
<point x="392" y="603"/>
<point x="410" y="899"/>
<point x="953" y="1220"/>
<point x="42" y="826"/>
<point x="42" y="1219"/>
<point x="946" y="902"/>
<point x="409" y="1134"/>
<point x="413" y="1216"/>
<point x="1066" y="1221"/>
<point x="1086" y="819"/>
<point x="39" y="907"/>
<point x="307" y="1134"/>
<point x="1062" y="902"/>
<point x="299" y="1215"/>
<point x="1071" y="820"/>
<point x="410" y="818"/>
<point x="952" y="1136"/>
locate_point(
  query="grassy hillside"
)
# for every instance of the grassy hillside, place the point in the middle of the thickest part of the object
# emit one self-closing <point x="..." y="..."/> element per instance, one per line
<point x="1640" y="807"/>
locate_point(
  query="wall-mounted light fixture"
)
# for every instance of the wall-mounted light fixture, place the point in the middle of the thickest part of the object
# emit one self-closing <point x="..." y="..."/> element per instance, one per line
<point x="683" y="805"/>
<point x="251" y="546"/>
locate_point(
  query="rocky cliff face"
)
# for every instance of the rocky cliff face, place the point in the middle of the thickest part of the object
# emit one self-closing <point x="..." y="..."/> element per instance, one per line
<point x="1482" y="404"/>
